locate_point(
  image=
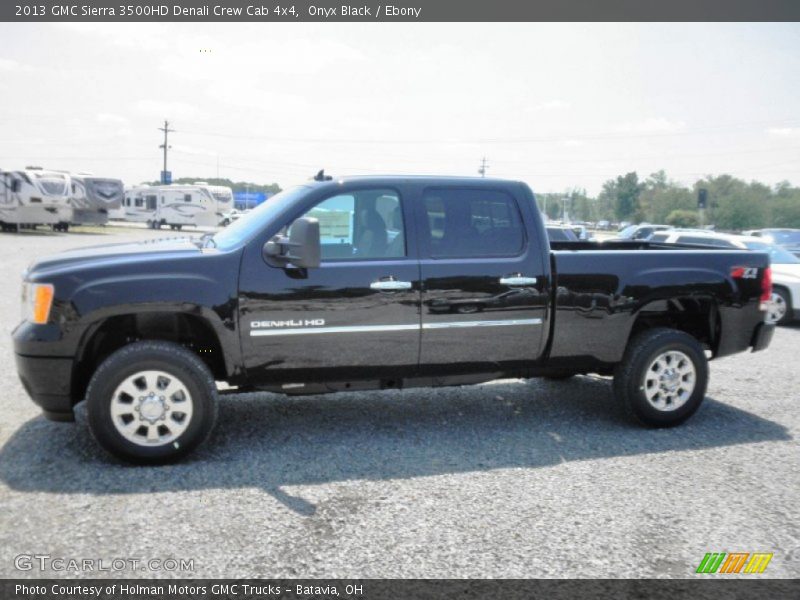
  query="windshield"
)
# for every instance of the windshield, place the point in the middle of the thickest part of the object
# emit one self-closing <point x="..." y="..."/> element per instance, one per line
<point x="628" y="231"/>
<point x="257" y="219"/>
<point x="783" y="237"/>
<point x="777" y="255"/>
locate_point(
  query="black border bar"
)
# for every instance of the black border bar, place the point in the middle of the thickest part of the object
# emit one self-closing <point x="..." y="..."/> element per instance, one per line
<point x="402" y="11"/>
<point x="700" y="588"/>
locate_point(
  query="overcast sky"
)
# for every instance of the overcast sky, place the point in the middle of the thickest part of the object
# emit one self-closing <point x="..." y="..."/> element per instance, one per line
<point x="557" y="105"/>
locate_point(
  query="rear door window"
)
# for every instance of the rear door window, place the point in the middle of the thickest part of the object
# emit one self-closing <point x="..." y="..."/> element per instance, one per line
<point x="464" y="223"/>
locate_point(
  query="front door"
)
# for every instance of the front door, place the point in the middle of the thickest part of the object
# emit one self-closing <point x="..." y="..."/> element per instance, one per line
<point x="354" y="317"/>
<point x="484" y="287"/>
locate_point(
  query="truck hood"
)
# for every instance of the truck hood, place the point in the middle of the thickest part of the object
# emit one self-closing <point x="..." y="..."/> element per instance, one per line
<point x="123" y="253"/>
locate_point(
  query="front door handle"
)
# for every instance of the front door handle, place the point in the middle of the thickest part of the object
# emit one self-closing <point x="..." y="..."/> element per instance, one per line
<point x="517" y="280"/>
<point x="390" y="285"/>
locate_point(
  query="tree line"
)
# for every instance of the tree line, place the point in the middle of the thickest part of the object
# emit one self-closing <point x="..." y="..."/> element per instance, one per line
<point x="732" y="204"/>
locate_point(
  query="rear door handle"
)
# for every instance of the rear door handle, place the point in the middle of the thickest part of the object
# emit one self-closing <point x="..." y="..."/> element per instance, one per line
<point x="390" y="285"/>
<point x="517" y="280"/>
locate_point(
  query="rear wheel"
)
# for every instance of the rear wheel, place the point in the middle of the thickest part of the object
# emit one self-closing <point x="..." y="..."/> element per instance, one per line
<point x="662" y="378"/>
<point x="151" y="402"/>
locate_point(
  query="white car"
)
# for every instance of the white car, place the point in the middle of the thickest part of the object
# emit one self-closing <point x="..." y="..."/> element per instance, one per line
<point x="784" y="306"/>
<point x="231" y="216"/>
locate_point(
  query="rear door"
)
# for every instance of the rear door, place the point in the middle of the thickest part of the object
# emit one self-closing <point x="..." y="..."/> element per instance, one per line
<point x="484" y="279"/>
<point x="354" y="317"/>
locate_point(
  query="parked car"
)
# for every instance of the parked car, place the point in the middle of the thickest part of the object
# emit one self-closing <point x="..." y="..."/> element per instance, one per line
<point x="788" y="238"/>
<point x="642" y="231"/>
<point x="561" y="233"/>
<point x="581" y="232"/>
<point x="231" y="216"/>
<point x="784" y="303"/>
<point x="307" y="294"/>
<point x="603" y="225"/>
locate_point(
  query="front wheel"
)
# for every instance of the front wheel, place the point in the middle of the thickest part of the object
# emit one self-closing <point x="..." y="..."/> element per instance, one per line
<point x="662" y="378"/>
<point x="468" y="309"/>
<point x="151" y="402"/>
<point x="779" y="307"/>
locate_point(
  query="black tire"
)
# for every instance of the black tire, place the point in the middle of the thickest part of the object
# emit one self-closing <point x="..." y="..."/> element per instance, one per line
<point x="226" y="222"/>
<point x="177" y="362"/>
<point x="630" y="376"/>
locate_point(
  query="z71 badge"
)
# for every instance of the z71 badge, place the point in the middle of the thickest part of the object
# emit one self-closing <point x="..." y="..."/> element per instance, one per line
<point x="744" y="272"/>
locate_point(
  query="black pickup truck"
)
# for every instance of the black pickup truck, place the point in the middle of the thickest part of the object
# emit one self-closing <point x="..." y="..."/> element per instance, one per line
<point x="373" y="283"/>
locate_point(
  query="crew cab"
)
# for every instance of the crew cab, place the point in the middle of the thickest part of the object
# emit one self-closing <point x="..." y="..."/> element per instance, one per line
<point x="373" y="283"/>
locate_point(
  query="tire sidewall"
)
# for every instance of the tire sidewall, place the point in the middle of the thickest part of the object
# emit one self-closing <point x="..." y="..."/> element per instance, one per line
<point x="639" y="404"/>
<point x="114" y="371"/>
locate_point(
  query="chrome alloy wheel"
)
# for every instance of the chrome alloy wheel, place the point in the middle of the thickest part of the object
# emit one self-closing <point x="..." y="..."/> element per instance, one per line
<point x="776" y="308"/>
<point x="669" y="380"/>
<point x="151" y="408"/>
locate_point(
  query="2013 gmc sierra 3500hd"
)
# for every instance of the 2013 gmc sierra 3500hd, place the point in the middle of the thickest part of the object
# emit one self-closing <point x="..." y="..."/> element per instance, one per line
<point x="374" y="282"/>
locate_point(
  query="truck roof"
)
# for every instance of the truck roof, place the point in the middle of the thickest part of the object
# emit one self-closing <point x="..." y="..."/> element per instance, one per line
<point x="430" y="179"/>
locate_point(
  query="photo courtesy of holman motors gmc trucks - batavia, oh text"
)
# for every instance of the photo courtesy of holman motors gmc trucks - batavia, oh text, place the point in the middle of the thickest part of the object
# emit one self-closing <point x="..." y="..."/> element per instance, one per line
<point x="374" y="283"/>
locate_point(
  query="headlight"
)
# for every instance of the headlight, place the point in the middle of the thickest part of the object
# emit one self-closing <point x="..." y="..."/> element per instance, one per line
<point x="37" y="298"/>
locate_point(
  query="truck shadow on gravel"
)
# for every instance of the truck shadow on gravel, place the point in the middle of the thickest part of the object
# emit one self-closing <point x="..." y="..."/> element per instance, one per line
<point x="272" y="442"/>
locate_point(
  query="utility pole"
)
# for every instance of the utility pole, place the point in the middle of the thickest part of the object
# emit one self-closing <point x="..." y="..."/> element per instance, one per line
<point x="165" y="175"/>
<point x="483" y="167"/>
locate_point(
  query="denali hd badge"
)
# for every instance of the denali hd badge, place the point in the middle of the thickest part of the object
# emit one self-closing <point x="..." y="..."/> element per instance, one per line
<point x="289" y="323"/>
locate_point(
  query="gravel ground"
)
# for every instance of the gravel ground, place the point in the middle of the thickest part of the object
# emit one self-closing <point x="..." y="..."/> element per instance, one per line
<point x="508" y="479"/>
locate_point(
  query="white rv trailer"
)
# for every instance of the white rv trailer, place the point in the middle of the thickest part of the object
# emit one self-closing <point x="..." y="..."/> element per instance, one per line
<point x="94" y="197"/>
<point x="33" y="196"/>
<point x="177" y="205"/>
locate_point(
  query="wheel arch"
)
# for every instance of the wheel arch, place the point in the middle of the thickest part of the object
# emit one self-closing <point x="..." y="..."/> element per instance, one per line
<point x="696" y="315"/>
<point x="188" y="329"/>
